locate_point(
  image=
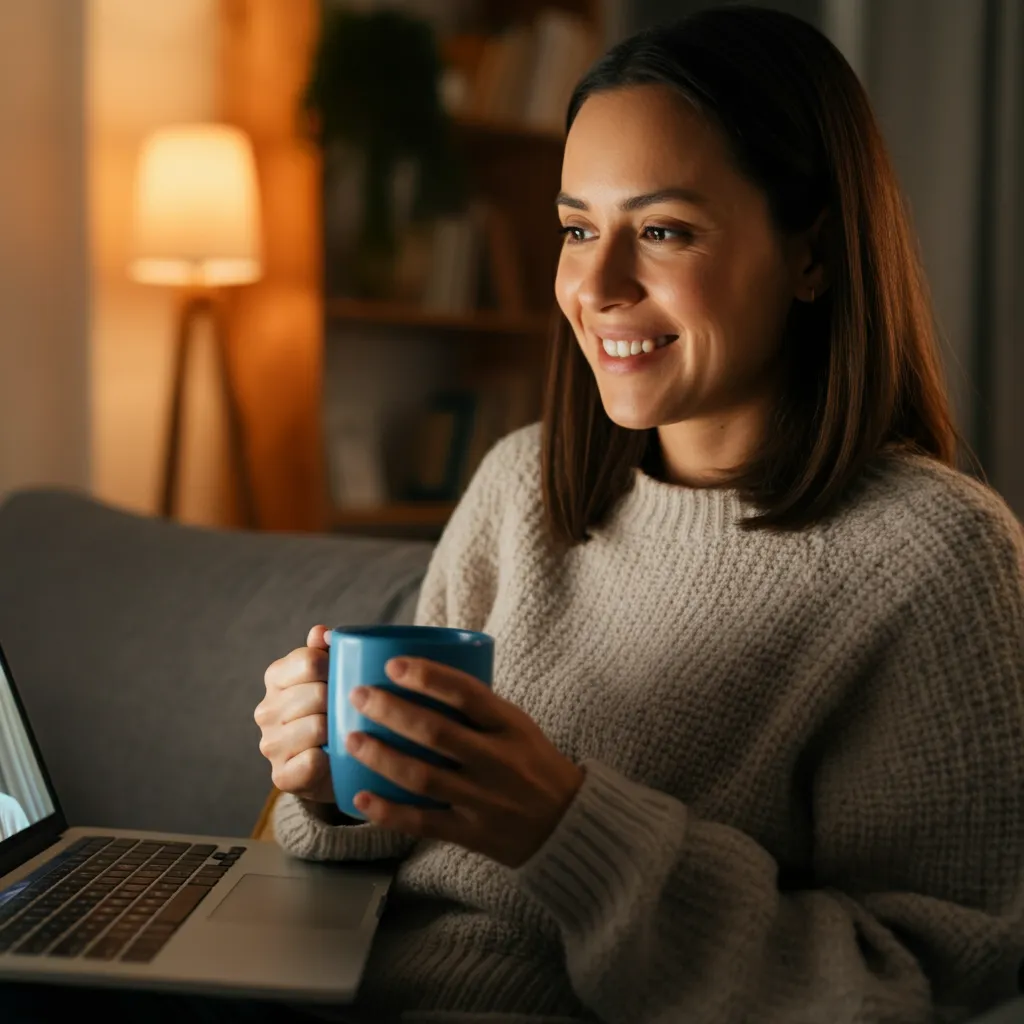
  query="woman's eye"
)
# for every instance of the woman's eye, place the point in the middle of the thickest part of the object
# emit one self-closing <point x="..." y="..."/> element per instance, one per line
<point x="573" y="233"/>
<point x="653" y="233"/>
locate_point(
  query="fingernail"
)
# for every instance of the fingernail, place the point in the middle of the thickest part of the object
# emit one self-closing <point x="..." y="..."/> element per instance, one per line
<point x="354" y="742"/>
<point x="396" y="668"/>
<point x="358" y="696"/>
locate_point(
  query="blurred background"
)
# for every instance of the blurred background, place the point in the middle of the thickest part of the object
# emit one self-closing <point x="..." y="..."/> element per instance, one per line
<point x="287" y="264"/>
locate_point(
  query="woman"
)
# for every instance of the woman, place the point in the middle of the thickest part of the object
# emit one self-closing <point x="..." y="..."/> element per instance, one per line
<point x="754" y="749"/>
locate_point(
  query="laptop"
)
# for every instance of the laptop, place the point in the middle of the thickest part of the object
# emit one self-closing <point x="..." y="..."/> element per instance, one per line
<point x="161" y="911"/>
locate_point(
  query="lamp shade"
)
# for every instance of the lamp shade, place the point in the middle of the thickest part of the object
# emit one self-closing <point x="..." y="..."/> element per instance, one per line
<point x="196" y="207"/>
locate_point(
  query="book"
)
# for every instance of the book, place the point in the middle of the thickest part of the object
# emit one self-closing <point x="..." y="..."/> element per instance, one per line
<point x="564" y="49"/>
<point x="355" y="462"/>
<point x="505" y="273"/>
<point x="499" y="86"/>
<point x="453" y="277"/>
<point x="440" y="445"/>
<point x="488" y="425"/>
<point x="504" y="402"/>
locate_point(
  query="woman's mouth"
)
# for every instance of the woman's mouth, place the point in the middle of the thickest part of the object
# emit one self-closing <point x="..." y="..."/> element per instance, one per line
<point x="632" y="355"/>
<point x="622" y="349"/>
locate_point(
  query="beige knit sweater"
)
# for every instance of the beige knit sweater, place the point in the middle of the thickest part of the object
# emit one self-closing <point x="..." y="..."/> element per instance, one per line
<point x="804" y="795"/>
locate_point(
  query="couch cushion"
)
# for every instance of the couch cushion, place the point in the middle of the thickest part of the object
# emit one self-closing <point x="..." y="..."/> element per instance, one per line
<point x="139" y="647"/>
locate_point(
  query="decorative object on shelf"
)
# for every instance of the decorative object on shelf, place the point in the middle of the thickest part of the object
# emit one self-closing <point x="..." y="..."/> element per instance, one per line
<point x="197" y="227"/>
<point x="441" y="445"/>
<point x="375" y="86"/>
<point x="355" y="456"/>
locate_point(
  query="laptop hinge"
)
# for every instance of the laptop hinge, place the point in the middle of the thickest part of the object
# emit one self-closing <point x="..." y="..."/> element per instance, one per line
<point x="25" y="845"/>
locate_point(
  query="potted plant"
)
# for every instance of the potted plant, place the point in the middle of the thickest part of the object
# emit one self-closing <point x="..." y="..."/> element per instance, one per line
<point x="374" y="86"/>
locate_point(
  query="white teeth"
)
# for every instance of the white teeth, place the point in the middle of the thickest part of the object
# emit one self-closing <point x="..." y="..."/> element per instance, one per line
<point x="622" y="349"/>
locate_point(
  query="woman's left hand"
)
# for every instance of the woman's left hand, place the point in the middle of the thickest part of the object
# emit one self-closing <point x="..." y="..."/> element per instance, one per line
<point x="512" y="788"/>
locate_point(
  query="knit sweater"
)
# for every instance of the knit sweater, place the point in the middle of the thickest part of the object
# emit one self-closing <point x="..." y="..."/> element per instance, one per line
<point x="803" y="754"/>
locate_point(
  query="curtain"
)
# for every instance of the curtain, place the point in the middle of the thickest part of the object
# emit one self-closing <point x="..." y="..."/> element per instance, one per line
<point x="19" y="774"/>
<point x="945" y="78"/>
<point x="1002" y="295"/>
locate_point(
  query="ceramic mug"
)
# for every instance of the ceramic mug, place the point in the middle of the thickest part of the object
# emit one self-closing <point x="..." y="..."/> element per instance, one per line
<point x="357" y="658"/>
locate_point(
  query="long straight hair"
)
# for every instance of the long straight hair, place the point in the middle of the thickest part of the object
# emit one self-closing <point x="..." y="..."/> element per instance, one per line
<point x="861" y="366"/>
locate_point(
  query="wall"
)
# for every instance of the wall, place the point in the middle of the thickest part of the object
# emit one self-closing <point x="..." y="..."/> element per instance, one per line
<point x="44" y="419"/>
<point x="148" y="64"/>
<point x="276" y="325"/>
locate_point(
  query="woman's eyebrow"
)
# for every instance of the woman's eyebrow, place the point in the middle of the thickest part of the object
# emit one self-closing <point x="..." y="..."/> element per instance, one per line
<point x="662" y="195"/>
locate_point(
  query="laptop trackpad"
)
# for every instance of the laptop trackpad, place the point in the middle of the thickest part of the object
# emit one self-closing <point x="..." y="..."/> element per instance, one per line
<point x="281" y="901"/>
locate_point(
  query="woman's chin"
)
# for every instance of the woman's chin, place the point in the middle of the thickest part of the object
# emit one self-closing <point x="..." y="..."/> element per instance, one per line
<point x="632" y="419"/>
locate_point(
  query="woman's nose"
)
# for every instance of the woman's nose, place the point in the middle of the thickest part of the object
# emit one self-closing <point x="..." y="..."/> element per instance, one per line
<point x="608" y="277"/>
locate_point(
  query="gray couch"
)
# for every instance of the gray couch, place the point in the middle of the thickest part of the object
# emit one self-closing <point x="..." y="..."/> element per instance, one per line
<point x="139" y="646"/>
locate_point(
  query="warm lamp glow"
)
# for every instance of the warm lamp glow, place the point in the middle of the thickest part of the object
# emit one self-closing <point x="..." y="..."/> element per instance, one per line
<point x="196" y="208"/>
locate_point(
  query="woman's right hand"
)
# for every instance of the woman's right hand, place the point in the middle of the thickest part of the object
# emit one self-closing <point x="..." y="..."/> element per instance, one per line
<point x="293" y="720"/>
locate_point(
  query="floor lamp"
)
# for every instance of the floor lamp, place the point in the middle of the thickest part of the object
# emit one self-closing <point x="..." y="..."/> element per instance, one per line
<point x="197" y="227"/>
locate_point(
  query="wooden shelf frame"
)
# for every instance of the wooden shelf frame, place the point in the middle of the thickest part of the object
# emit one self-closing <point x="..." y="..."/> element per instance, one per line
<point x="425" y="514"/>
<point x="393" y="314"/>
<point x="477" y="129"/>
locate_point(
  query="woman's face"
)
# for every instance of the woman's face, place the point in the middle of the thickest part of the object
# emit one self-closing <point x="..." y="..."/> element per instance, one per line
<point x="670" y="254"/>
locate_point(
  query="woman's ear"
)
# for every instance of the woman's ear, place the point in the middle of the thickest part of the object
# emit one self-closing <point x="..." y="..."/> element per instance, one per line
<point x="809" y="259"/>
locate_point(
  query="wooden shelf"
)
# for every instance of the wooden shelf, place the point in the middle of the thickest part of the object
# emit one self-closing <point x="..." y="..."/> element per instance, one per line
<point x="508" y="131"/>
<point x="431" y="514"/>
<point x="388" y="314"/>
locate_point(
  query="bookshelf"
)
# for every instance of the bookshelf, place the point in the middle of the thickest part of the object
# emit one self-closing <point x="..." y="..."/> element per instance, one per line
<point x="507" y="135"/>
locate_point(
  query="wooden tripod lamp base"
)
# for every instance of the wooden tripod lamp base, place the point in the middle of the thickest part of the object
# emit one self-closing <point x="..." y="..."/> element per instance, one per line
<point x="196" y="307"/>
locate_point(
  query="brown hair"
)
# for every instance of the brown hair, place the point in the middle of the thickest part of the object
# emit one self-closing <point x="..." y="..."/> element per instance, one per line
<point x="862" y="367"/>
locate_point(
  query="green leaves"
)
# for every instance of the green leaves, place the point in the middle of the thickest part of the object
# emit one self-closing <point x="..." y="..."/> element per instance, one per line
<point x="375" y="84"/>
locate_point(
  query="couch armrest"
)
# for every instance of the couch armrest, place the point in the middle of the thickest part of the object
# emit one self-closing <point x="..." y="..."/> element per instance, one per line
<point x="139" y="647"/>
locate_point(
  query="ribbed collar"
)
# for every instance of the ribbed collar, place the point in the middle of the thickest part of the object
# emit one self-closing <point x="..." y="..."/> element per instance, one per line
<point x="656" y="508"/>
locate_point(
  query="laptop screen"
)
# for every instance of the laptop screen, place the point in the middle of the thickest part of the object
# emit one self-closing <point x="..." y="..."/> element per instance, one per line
<point x="24" y="795"/>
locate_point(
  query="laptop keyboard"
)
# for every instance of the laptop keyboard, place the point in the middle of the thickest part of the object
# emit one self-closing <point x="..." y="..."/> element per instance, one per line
<point x="110" y="899"/>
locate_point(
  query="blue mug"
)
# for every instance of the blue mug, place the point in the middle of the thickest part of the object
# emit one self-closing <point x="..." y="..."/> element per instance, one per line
<point x="357" y="658"/>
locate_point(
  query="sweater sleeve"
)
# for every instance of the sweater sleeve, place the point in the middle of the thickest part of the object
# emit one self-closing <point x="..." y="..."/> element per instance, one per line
<point x="462" y="551"/>
<point x="915" y="908"/>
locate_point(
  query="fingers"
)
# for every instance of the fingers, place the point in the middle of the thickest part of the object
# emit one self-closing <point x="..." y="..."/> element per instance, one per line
<point x="422" y="725"/>
<point x="307" y="775"/>
<point x="458" y="689"/>
<point x="293" y="721"/>
<point x="414" y="774"/>
<point x="302" y="700"/>
<point x="283" y="742"/>
<point x="304" y="664"/>
<point x="449" y="826"/>
<point x="318" y="637"/>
